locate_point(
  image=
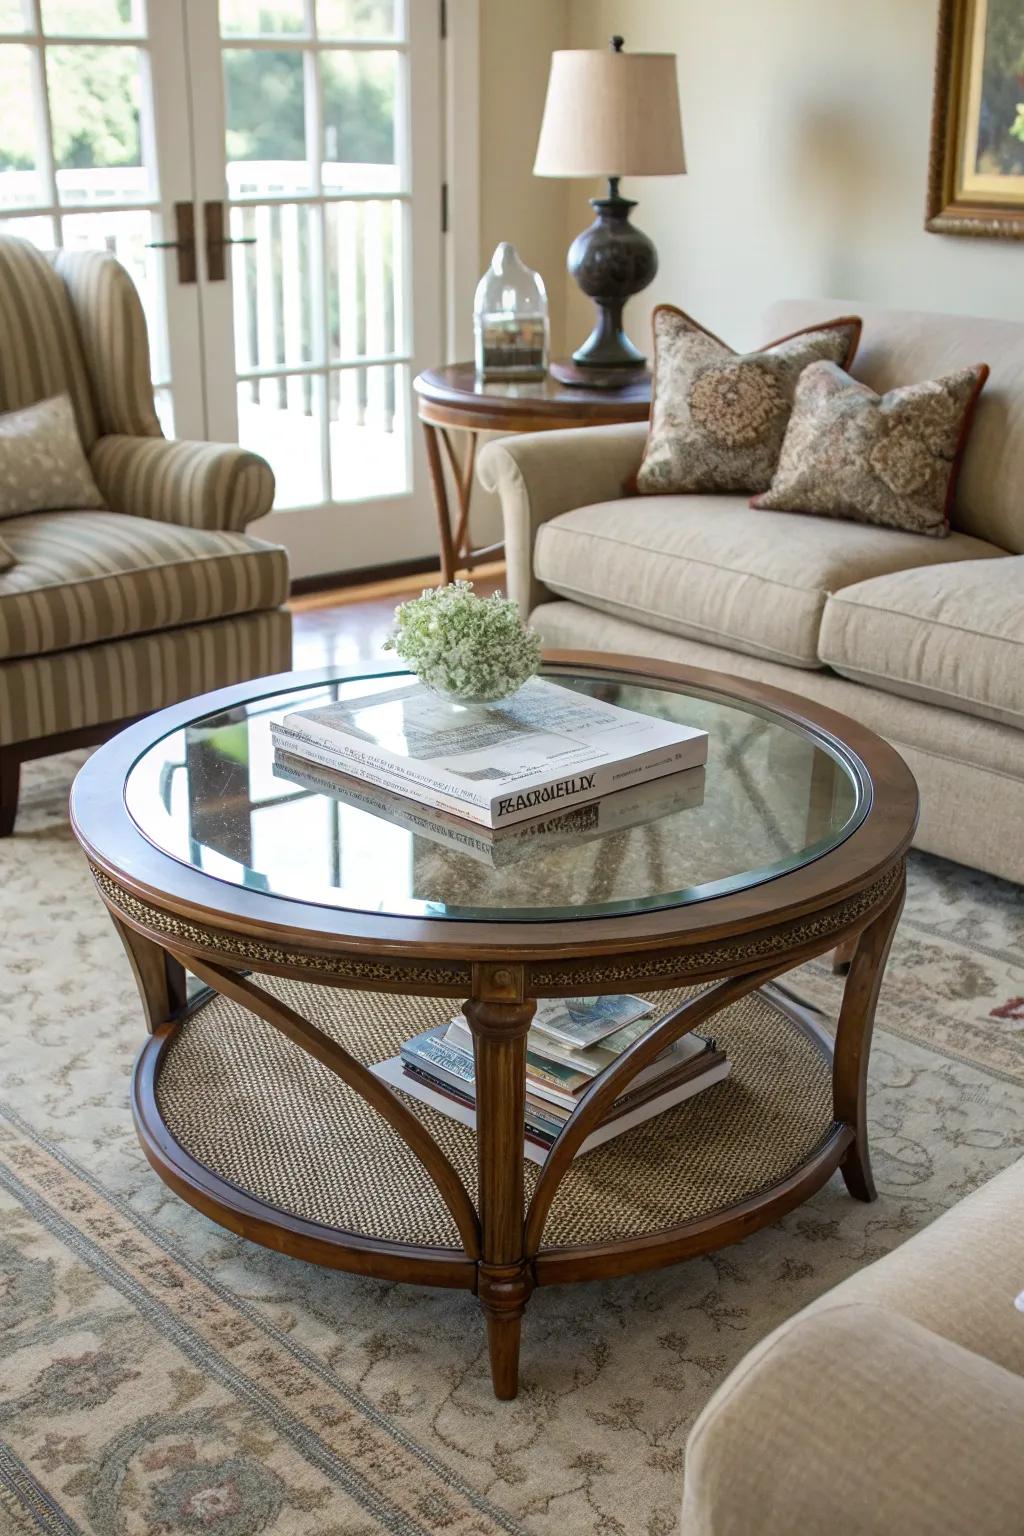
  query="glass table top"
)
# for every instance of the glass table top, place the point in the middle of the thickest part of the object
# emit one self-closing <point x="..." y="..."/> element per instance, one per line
<point x="772" y="798"/>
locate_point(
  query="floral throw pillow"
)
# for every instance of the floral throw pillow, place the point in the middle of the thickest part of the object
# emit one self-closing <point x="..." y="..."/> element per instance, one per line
<point x="718" y="417"/>
<point x="42" y="466"/>
<point x="889" y="459"/>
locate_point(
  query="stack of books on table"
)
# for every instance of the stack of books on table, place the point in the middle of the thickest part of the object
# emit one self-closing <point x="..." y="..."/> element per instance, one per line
<point x="498" y="847"/>
<point x="571" y="1040"/>
<point x="545" y="748"/>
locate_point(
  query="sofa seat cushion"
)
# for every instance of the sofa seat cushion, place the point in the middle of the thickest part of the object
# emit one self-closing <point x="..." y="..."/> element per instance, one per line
<point x="714" y="569"/>
<point x="951" y="635"/>
<point x="79" y="578"/>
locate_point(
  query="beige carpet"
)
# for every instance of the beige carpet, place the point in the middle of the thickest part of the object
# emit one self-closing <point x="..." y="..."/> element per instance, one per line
<point x="161" y="1376"/>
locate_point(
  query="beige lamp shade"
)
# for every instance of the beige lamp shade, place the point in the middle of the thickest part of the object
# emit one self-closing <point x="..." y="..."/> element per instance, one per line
<point x="611" y="114"/>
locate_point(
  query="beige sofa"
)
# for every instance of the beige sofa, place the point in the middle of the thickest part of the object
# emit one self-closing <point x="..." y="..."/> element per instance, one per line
<point x="894" y="1404"/>
<point x="920" y="639"/>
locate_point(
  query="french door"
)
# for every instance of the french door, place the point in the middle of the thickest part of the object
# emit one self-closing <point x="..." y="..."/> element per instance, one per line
<point x="269" y="171"/>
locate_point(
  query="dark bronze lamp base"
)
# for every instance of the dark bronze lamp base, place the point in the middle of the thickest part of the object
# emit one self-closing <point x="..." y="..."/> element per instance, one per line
<point x="611" y="261"/>
<point x="568" y="371"/>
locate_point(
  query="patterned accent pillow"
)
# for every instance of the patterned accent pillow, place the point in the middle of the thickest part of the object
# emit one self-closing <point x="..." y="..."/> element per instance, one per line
<point x="42" y="466"/>
<point x="888" y="459"/>
<point x="718" y="417"/>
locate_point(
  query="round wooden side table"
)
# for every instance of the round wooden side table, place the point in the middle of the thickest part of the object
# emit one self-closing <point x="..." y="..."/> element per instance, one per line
<point x="455" y="399"/>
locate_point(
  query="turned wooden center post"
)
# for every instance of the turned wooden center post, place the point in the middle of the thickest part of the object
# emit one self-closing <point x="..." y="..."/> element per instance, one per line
<point x="500" y="1017"/>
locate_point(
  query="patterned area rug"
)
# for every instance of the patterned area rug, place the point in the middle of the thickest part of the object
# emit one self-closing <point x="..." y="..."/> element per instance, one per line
<point x="161" y="1376"/>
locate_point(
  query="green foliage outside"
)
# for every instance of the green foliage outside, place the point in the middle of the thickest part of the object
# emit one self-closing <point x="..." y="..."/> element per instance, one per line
<point x="266" y="106"/>
<point x="95" y="106"/>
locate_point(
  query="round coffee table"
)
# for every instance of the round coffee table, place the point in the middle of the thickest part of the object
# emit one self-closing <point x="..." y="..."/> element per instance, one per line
<point x="326" y="934"/>
<point x="454" y="398"/>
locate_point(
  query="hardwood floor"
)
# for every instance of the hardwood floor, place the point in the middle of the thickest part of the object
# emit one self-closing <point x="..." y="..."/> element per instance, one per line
<point x="347" y="627"/>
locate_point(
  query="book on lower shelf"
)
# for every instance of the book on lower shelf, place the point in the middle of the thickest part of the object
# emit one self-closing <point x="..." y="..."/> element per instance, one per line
<point x="546" y="747"/>
<point x="437" y="1067"/>
<point x="499" y="847"/>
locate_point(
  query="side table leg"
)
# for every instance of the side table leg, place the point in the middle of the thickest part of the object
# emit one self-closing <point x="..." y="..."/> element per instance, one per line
<point x="499" y="1017"/>
<point x="159" y="977"/>
<point x="432" y="436"/>
<point x="853" y="1042"/>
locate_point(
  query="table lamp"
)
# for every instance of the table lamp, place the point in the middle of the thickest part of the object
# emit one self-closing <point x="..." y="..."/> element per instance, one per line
<point x="610" y="114"/>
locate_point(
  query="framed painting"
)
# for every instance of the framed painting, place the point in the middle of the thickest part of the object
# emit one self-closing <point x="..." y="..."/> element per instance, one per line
<point x="976" y="172"/>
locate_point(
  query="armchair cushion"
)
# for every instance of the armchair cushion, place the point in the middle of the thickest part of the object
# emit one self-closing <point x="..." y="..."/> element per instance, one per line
<point x="42" y="466"/>
<point x="951" y="635"/>
<point x="84" y="577"/>
<point x="713" y="569"/>
<point x="198" y="485"/>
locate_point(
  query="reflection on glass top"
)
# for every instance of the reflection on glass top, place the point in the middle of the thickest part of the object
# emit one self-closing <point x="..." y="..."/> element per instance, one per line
<point x="772" y="798"/>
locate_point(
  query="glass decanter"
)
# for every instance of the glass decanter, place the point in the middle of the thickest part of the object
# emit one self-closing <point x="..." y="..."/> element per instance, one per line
<point x="510" y="319"/>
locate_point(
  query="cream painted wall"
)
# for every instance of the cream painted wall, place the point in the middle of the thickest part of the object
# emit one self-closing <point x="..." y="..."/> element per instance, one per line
<point x="806" y="125"/>
<point x="517" y="38"/>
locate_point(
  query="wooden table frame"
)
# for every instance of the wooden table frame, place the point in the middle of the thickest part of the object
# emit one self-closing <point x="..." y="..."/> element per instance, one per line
<point x="172" y="917"/>
<point x="449" y="400"/>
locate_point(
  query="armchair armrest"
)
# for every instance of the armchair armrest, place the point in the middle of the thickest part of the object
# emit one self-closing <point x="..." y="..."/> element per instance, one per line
<point x="542" y="474"/>
<point x="854" y="1419"/>
<point x="198" y="485"/>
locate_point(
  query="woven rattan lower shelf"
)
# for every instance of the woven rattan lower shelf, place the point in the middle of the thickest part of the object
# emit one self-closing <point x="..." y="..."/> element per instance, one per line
<point x="262" y="1116"/>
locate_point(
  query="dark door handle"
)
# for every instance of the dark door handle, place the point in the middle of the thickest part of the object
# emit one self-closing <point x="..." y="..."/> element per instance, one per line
<point x="216" y="240"/>
<point x="185" y="244"/>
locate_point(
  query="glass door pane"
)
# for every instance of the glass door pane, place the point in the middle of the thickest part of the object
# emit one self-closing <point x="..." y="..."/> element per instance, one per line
<point x="80" y="157"/>
<point x="322" y="172"/>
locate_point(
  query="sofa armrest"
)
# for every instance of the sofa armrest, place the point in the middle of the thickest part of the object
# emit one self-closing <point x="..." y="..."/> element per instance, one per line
<point x="199" y="485"/>
<point x="854" y="1419"/>
<point x="542" y="474"/>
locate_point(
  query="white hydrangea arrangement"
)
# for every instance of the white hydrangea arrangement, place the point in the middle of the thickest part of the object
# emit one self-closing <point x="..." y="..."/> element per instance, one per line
<point x="467" y="648"/>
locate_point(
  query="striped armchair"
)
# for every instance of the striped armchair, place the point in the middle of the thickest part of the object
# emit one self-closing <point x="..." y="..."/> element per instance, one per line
<point x="108" y="615"/>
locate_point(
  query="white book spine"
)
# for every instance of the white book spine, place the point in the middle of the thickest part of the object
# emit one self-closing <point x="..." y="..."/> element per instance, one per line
<point x="605" y="779"/>
<point x="346" y="749"/>
<point x="652" y="1107"/>
<point x="301" y="745"/>
<point x="332" y="750"/>
<point x="391" y="1073"/>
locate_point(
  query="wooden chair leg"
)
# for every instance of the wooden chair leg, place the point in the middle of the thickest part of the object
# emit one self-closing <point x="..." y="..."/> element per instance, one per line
<point x="10" y="780"/>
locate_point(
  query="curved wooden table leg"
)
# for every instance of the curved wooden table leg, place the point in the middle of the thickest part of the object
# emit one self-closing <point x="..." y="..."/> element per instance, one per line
<point x="853" y="1042"/>
<point x="159" y="977"/>
<point x="435" y="464"/>
<point x="500" y="1017"/>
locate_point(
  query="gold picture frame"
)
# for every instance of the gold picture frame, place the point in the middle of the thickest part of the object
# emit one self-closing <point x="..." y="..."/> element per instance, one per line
<point x="975" y="186"/>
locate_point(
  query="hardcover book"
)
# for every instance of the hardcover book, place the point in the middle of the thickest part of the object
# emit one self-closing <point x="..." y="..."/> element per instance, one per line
<point x="708" y="1068"/>
<point x="498" y="847"/>
<point x="544" y="748"/>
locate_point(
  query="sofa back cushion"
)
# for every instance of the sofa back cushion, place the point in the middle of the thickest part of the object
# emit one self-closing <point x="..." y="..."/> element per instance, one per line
<point x="904" y="347"/>
<point x="40" y="347"/>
